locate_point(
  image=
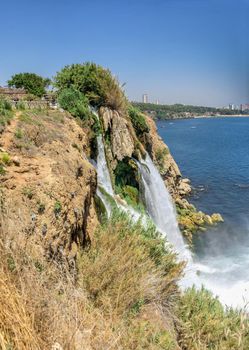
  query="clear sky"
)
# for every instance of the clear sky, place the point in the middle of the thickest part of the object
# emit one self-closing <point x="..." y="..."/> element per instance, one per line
<point x="186" y="51"/>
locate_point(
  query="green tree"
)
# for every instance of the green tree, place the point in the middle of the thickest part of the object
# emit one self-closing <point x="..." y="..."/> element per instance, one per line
<point x="31" y="82"/>
<point x="138" y="120"/>
<point x="95" y="82"/>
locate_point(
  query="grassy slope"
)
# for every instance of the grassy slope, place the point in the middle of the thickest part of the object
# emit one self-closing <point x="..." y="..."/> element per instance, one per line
<point x="121" y="295"/>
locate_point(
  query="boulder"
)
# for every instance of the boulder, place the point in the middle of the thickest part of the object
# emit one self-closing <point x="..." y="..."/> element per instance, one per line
<point x="121" y="141"/>
<point x="216" y="218"/>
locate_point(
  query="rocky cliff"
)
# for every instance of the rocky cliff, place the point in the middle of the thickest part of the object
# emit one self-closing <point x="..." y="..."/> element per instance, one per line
<point x="121" y="293"/>
<point x="47" y="183"/>
<point x="123" y="142"/>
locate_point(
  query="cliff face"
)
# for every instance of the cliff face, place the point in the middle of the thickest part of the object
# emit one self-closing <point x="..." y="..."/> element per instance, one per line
<point x="120" y="293"/>
<point x="48" y="185"/>
<point x="123" y="143"/>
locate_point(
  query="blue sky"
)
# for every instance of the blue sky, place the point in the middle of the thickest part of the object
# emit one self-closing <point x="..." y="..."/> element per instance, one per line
<point x="186" y="51"/>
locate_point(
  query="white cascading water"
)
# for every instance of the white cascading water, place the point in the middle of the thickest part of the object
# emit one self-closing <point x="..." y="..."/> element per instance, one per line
<point x="103" y="175"/>
<point x="104" y="181"/>
<point x="161" y="209"/>
<point x="160" y="206"/>
<point x="158" y="203"/>
<point x="104" y="178"/>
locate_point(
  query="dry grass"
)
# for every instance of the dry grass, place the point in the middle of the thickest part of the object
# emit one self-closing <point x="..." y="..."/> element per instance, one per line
<point x="16" y="325"/>
<point x="121" y="295"/>
<point x="42" y="303"/>
<point x="124" y="267"/>
<point x="41" y="306"/>
<point x="205" y="324"/>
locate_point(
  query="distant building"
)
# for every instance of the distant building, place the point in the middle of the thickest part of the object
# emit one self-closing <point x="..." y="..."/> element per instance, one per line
<point x="244" y="107"/>
<point x="157" y="102"/>
<point x="232" y="106"/>
<point x="12" y="93"/>
<point x="145" y="98"/>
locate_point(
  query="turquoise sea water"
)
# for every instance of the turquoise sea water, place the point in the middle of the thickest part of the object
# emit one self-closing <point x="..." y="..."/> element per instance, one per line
<point x="214" y="155"/>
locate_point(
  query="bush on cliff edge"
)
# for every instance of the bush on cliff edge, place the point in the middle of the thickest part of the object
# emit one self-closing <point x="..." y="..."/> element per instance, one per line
<point x="95" y="82"/>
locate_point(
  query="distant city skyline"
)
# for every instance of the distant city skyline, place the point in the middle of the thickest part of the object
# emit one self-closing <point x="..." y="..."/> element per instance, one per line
<point x="232" y="106"/>
<point x="178" y="51"/>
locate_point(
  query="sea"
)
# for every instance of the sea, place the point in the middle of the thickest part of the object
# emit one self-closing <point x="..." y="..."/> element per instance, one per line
<point x="214" y="154"/>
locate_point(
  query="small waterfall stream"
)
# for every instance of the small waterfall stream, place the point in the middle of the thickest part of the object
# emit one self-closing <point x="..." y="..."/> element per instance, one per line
<point x="160" y="206"/>
<point x="162" y="211"/>
<point x="104" y="179"/>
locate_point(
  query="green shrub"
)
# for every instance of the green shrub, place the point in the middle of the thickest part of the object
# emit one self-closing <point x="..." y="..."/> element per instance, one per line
<point x="4" y="104"/>
<point x="5" y="158"/>
<point x="57" y="208"/>
<point x="128" y="266"/>
<point x="73" y="101"/>
<point x="28" y="192"/>
<point x="2" y="170"/>
<point x="95" y="82"/>
<point x="138" y="120"/>
<point x="126" y="173"/>
<point x="18" y="134"/>
<point x="131" y="195"/>
<point x="205" y="324"/>
<point x="160" y="155"/>
<point x="5" y="111"/>
<point x="20" y="106"/>
<point x="11" y="263"/>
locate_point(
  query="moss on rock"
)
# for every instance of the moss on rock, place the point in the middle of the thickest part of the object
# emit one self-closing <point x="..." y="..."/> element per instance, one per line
<point x="191" y="221"/>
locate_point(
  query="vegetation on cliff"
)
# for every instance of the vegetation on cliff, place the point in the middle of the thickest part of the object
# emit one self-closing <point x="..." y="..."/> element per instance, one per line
<point x="70" y="278"/>
<point x="95" y="82"/>
<point x="6" y="113"/>
<point x="73" y="101"/>
<point x="122" y="294"/>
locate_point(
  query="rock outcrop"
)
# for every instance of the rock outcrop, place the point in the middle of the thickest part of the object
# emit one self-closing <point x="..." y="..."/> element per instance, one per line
<point x="48" y="184"/>
<point x="121" y="140"/>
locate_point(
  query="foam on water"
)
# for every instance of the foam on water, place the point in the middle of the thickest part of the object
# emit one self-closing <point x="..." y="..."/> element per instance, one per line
<point x="211" y="272"/>
<point x="216" y="158"/>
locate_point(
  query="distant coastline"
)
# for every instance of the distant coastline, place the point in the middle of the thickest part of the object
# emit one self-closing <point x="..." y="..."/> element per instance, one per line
<point x="216" y="116"/>
<point x="204" y="117"/>
<point x="180" y="111"/>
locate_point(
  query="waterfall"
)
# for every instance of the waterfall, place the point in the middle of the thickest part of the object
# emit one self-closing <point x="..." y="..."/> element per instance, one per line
<point x="159" y="205"/>
<point x="103" y="176"/>
<point x="158" y="201"/>
<point x="104" y="179"/>
<point x="161" y="209"/>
